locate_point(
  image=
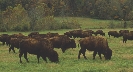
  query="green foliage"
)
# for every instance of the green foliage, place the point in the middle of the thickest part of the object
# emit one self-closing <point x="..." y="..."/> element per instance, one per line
<point x="121" y="24"/>
<point x="72" y="24"/>
<point x="101" y="9"/>
<point x="47" y="23"/>
<point x="15" y="17"/>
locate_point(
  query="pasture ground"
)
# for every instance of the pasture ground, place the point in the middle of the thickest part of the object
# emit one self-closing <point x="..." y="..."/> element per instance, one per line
<point x="122" y="59"/>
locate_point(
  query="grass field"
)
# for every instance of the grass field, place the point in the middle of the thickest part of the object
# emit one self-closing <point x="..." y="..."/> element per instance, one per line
<point x="122" y="59"/>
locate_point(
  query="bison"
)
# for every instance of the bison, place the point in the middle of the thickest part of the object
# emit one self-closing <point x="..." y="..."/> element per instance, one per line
<point x="76" y="33"/>
<point x="99" y="32"/>
<point x="52" y="34"/>
<point x="114" y="33"/>
<point x="123" y="31"/>
<point x="40" y="47"/>
<point x="14" y="42"/>
<point x="98" y="44"/>
<point x="72" y="43"/>
<point x="3" y="38"/>
<point x="127" y="36"/>
<point x="68" y="34"/>
<point x="33" y="33"/>
<point x="62" y="41"/>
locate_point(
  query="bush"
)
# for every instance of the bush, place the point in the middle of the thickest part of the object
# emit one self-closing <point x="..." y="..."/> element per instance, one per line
<point x="70" y="24"/>
<point x="23" y="27"/>
<point x="49" y="23"/>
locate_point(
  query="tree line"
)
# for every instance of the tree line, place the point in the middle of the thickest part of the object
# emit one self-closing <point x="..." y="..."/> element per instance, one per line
<point x="33" y="14"/>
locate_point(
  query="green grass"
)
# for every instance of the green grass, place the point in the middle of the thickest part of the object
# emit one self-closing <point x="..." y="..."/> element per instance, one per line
<point x="88" y="23"/>
<point x="122" y="59"/>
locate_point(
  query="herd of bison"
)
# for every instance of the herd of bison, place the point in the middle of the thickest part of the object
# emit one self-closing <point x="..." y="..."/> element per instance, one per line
<point x="43" y="45"/>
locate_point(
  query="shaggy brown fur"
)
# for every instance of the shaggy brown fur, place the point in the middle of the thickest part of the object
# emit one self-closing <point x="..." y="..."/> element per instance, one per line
<point x="98" y="44"/>
<point x="61" y="41"/>
<point x="40" y="47"/>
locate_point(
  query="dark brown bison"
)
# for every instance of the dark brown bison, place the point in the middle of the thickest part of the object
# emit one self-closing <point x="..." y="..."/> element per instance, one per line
<point x="40" y="47"/>
<point x="89" y="31"/>
<point x="127" y="36"/>
<point x="61" y="41"/>
<point x="114" y="33"/>
<point x="99" y="32"/>
<point x="40" y="36"/>
<point x="14" y="42"/>
<point x="123" y="31"/>
<point x="76" y="33"/>
<point x="52" y="34"/>
<point x="97" y="44"/>
<point x="33" y="33"/>
<point x="72" y="43"/>
<point x="19" y="35"/>
<point x="85" y="34"/>
<point x="3" y="38"/>
<point x="68" y="34"/>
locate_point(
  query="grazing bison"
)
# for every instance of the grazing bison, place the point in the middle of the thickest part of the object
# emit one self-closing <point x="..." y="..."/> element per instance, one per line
<point x="40" y="47"/>
<point x="3" y="38"/>
<point x="14" y="42"/>
<point x="33" y="33"/>
<point x="114" y="33"/>
<point x="19" y="35"/>
<point x="123" y="31"/>
<point x="85" y="34"/>
<point x="68" y="34"/>
<point x="99" y="32"/>
<point x="76" y="33"/>
<point x="72" y="43"/>
<point x="90" y="31"/>
<point x="61" y="41"/>
<point x="40" y="36"/>
<point x="127" y="36"/>
<point x="97" y="44"/>
<point x="52" y="34"/>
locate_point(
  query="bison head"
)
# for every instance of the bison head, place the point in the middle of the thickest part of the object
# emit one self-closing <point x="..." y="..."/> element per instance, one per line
<point x="108" y="54"/>
<point x="53" y="57"/>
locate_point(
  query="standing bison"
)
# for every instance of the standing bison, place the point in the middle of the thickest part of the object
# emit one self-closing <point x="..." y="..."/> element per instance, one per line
<point x="114" y="33"/>
<point x="127" y="36"/>
<point x="33" y="33"/>
<point x="3" y="38"/>
<point x="97" y="44"/>
<point x="40" y="47"/>
<point x="99" y="32"/>
<point x="63" y="42"/>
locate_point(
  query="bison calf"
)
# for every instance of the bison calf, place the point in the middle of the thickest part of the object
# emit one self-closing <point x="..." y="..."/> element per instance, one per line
<point x="97" y="44"/>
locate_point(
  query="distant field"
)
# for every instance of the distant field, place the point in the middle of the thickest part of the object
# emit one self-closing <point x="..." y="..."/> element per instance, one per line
<point x="122" y="59"/>
<point x="88" y="23"/>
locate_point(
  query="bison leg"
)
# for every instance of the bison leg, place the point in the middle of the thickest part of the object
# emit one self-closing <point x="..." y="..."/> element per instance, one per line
<point x="11" y="48"/>
<point x="94" y="54"/>
<point x="44" y="58"/>
<point x="25" y="56"/>
<point x="83" y="52"/>
<point x="99" y="53"/>
<point x="20" y="55"/>
<point x="79" y="54"/>
<point x="3" y="43"/>
<point x="63" y="50"/>
<point x="38" y="56"/>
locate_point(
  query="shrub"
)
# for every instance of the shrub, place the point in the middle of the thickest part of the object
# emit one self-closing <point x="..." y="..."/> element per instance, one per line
<point x="70" y="24"/>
